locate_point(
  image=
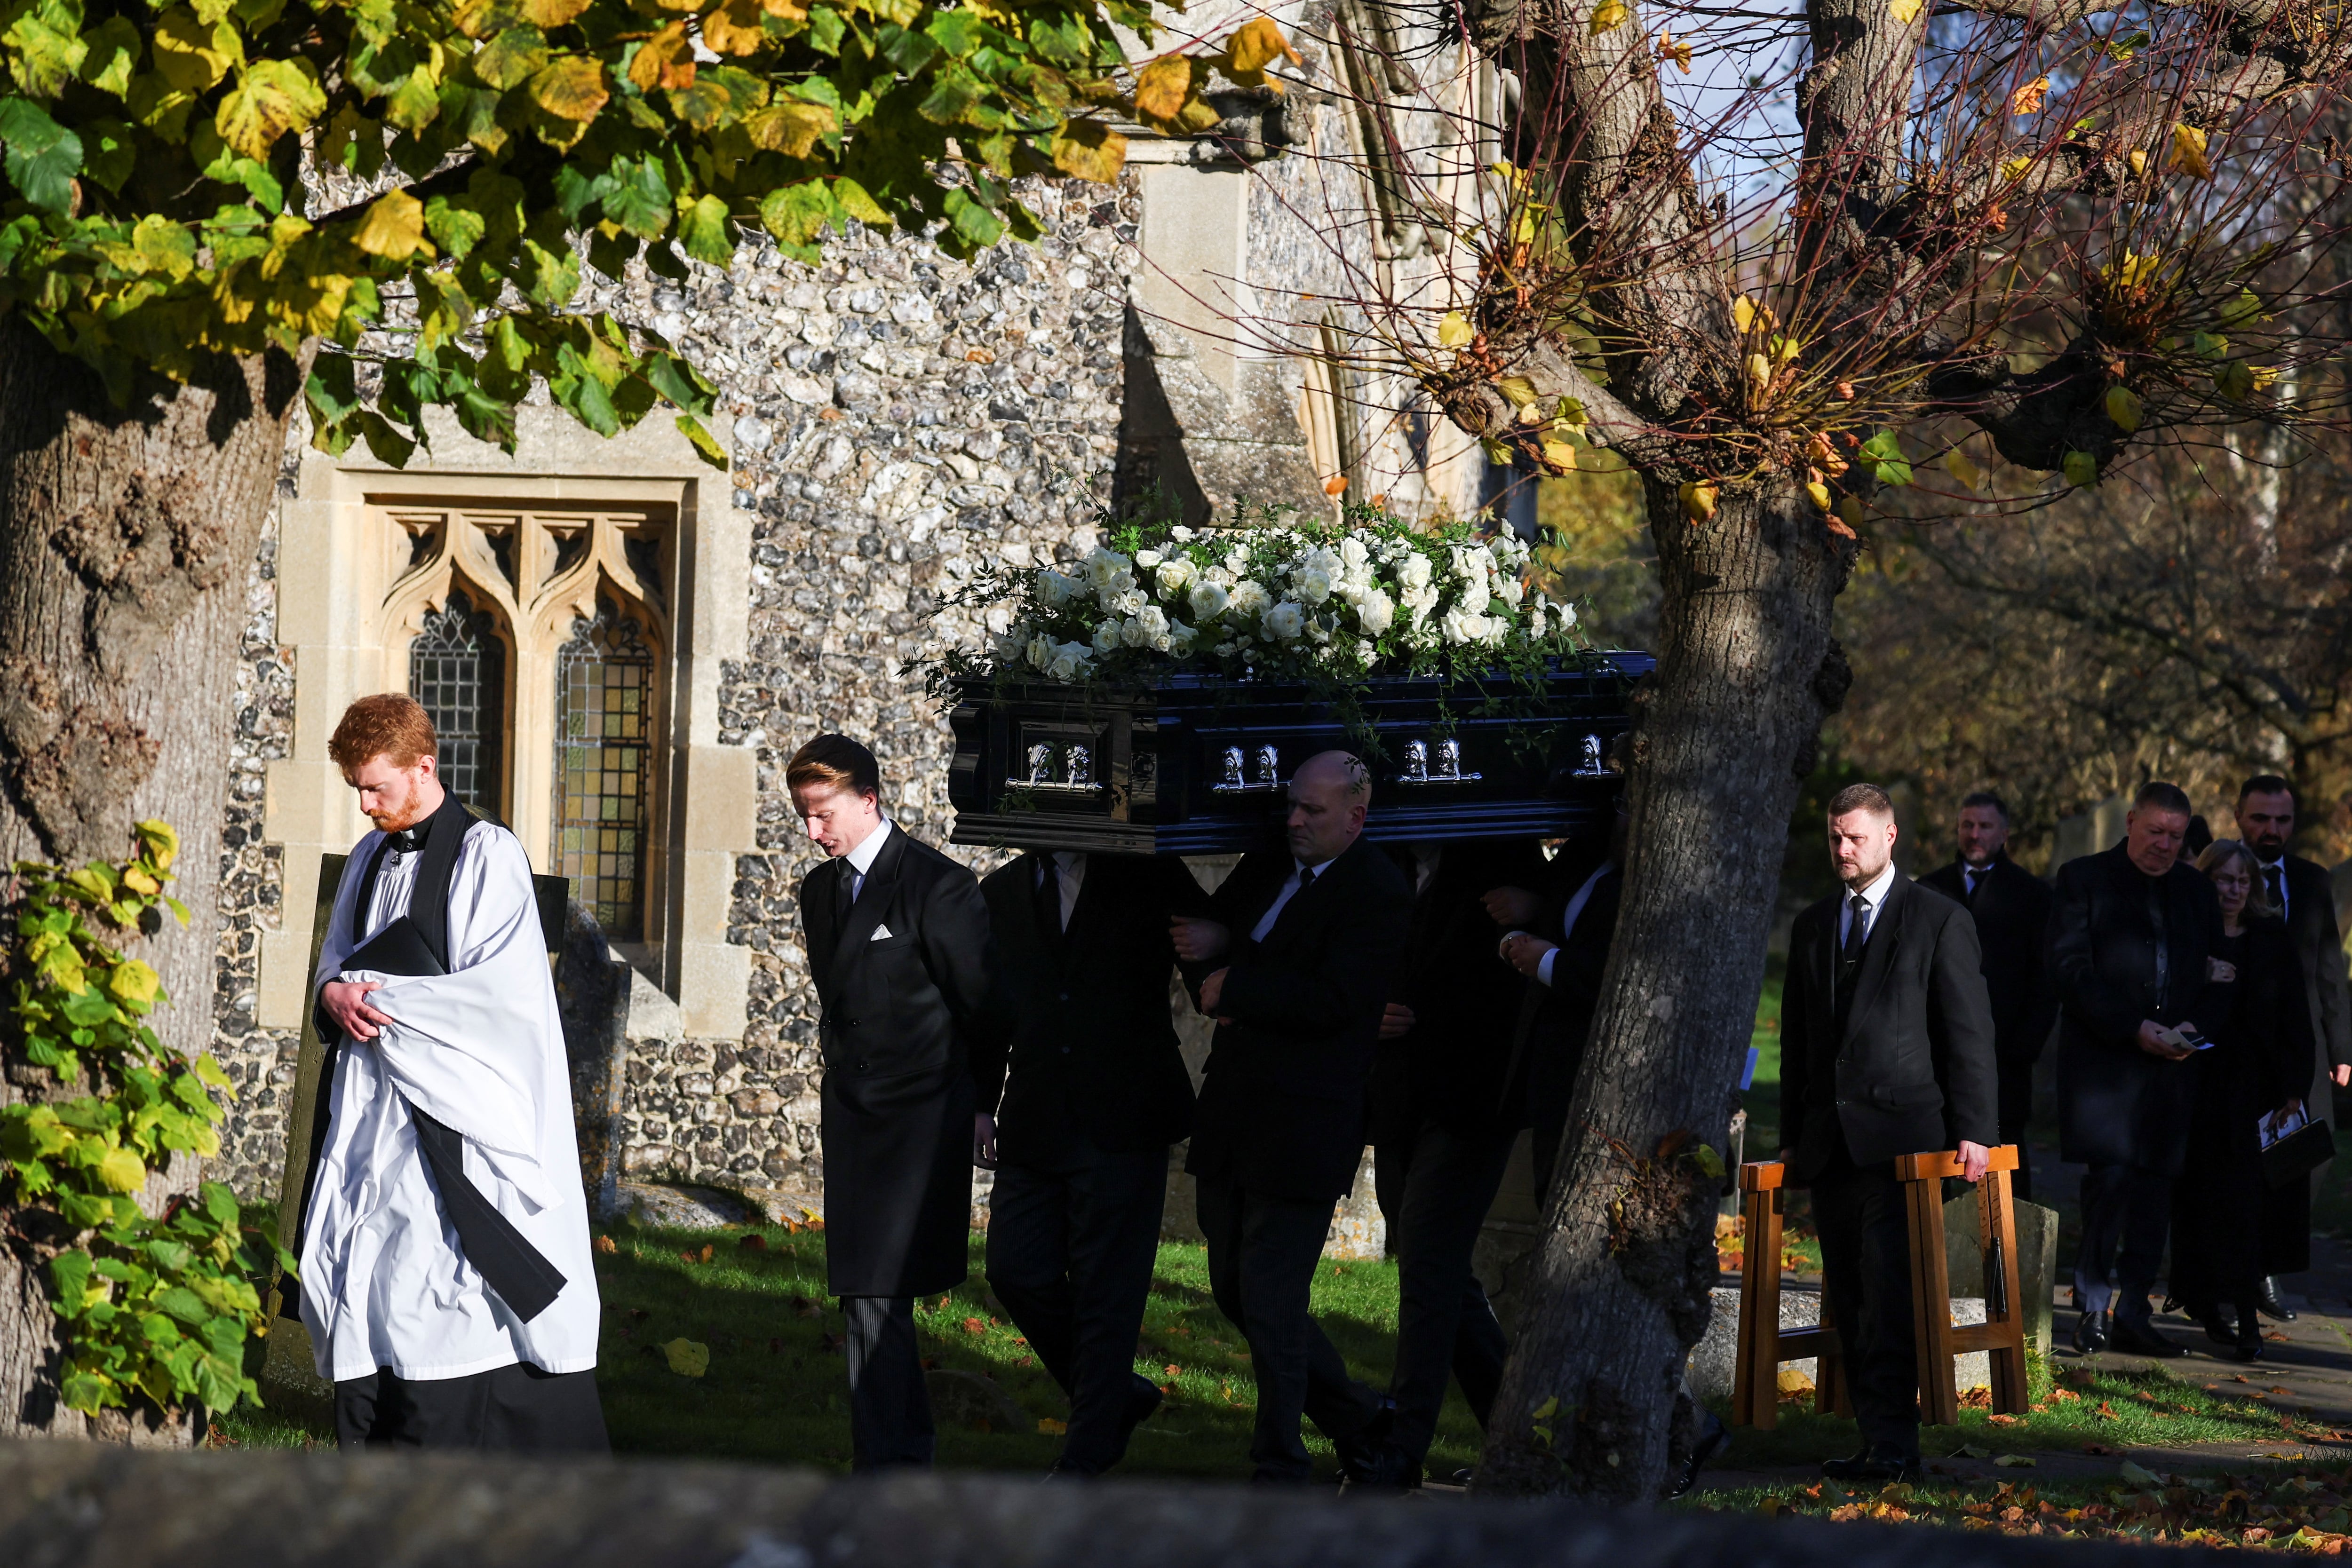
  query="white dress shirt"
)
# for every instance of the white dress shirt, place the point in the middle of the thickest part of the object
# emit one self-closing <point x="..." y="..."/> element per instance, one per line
<point x="1290" y="886"/>
<point x="1426" y="859"/>
<point x="481" y="1048"/>
<point x="861" y="859"/>
<point x="1582" y="896"/>
<point x="1874" y="898"/>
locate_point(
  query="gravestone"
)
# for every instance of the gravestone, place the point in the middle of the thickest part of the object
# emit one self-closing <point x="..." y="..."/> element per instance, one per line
<point x="2037" y="1259"/>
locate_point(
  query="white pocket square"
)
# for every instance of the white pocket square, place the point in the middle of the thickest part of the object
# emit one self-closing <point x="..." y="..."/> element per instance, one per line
<point x="880" y="930"/>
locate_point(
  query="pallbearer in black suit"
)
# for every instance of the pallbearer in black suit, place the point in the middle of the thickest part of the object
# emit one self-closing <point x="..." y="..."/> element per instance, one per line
<point x="1886" y="1050"/>
<point x="1310" y="939"/>
<point x="1095" y="1091"/>
<point x="2303" y="895"/>
<point x="897" y="943"/>
<point x="2012" y="907"/>
<point x="1449" y="1097"/>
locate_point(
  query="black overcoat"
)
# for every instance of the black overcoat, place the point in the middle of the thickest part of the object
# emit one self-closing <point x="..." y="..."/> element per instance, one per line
<point x="1913" y="1070"/>
<point x="2118" y="1106"/>
<point x="904" y="1017"/>
<point x="2012" y="909"/>
<point x="1091" y="1053"/>
<point x="1282" y="1107"/>
<point x="2319" y="951"/>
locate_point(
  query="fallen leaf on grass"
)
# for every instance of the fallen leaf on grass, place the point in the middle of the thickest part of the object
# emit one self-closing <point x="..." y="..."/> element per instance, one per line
<point x="973" y="1325"/>
<point x="2001" y="1420"/>
<point x="755" y="1243"/>
<point x="2139" y="1475"/>
<point x="607" y="1245"/>
<point x="1050" y="1427"/>
<point x="2063" y="1397"/>
<point x="2014" y="1462"/>
<point x="1172" y="1369"/>
<point x="687" y="1358"/>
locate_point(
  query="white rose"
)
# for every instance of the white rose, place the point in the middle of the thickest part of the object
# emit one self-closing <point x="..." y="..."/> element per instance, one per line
<point x="1460" y="625"/>
<point x="1067" y="666"/>
<point x="1366" y="652"/>
<point x="1106" y="637"/>
<point x="1412" y="573"/>
<point x="1509" y="589"/>
<point x="1102" y="565"/>
<point x="1041" y="651"/>
<point x="1251" y="599"/>
<point x="1375" y="614"/>
<point x="1181" y="534"/>
<point x="1567" y="613"/>
<point x="1175" y="576"/>
<point x="1536" y="618"/>
<point x="1153" y="620"/>
<point x="1127" y="602"/>
<point x="1314" y="585"/>
<point x="1208" y="600"/>
<point x="1353" y="555"/>
<point x="1474" y="595"/>
<point x="1145" y="559"/>
<point x="1237" y="560"/>
<point x="1133" y="633"/>
<point x="1182" y="637"/>
<point x="1055" y="590"/>
<point x="1285" y="620"/>
<point x="1218" y="575"/>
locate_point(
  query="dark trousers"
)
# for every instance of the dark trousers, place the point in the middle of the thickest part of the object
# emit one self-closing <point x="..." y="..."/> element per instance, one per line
<point x="1070" y="1253"/>
<point x="1435" y="1192"/>
<point x="2127" y="1215"/>
<point x="889" y="1409"/>
<point x="2015" y="1104"/>
<point x="1262" y="1256"/>
<point x="1866" y="1274"/>
<point x="518" y="1409"/>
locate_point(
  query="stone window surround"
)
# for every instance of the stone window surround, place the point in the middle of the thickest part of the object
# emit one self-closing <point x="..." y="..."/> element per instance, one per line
<point x="348" y="605"/>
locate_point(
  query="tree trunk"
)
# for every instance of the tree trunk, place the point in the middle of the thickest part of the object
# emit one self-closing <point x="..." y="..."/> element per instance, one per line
<point x="1724" y="729"/>
<point x="127" y="541"/>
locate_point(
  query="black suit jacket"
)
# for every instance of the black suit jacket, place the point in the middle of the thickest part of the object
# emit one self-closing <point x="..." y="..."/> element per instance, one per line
<point x="2012" y="907"/>
<point x="2118" y="1106"/>
<point x="1091" y="1055"/>
<point x="1455" y="1066"/>
<point x="1913" y="1069"/>
<point x="1282" y="1108"/>
<point x="2319" y="949"/>
<point x="905" y="1016"/>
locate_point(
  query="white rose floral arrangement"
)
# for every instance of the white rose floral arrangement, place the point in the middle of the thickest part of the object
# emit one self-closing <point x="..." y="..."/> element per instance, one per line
<point x="1319" y="602"/>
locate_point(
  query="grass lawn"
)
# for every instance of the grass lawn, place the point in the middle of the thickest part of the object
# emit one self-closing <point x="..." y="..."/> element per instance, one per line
<point x="775" y="1391"/>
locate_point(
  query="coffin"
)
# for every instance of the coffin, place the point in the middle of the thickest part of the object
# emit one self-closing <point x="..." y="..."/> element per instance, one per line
<point x="1198" y="765"/>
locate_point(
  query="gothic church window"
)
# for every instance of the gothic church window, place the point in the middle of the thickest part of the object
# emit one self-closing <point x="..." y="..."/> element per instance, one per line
<point x="604" y="731"/>
<point x="457" y="670"/>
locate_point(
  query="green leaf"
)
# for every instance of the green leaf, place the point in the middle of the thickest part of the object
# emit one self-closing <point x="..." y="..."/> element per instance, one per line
<point x="638" y="197"/>
<point x="1708" y="1162"/>
<point x="708" y="448"/>
<point x="43" y="156"/>
<point x="115" y="50"/>
<point x="512" y="58"/>
<point x="2082" y="469"/>
<point x="454" y="227"/>
<point x="704" y="230"/>
<point x="46" y="47"/>
<point x="272" y="99"/>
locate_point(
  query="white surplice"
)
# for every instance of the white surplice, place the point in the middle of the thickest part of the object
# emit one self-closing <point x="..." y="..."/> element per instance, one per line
<point x="480" y="1049"/>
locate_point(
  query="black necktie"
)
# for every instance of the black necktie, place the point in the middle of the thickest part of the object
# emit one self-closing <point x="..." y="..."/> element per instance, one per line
<point x="2274" y="878"/>
<point x="1857" y="930"/>
<point x="842" y="896"/>
<point x="1305" y="875"/>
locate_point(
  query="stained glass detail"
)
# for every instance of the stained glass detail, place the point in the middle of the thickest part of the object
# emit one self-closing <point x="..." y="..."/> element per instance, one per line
<point x="603" y="699"/>
<point x="458" y="670"/>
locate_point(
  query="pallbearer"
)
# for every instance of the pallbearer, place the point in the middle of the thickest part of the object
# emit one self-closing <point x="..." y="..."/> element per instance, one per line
<point x="445" y="1277"/>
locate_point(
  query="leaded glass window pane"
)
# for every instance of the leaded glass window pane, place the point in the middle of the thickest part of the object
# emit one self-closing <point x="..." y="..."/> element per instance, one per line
<point x="458" y="670"/>
<point x="603" y="698"/>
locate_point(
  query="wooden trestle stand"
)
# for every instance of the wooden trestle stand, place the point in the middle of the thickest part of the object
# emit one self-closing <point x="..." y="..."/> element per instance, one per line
<point x="1763" y="1344"/>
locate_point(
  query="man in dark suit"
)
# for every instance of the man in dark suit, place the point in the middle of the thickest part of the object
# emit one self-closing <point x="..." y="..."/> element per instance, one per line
<point x="1095" y="1091"/>
<point x="1449" y="1097"/>
<point x="1886" y="1050"/>
<point x="2132" y="936"/>
<point x="2303" y="894"/>
<point x="1565" y="956"/>
<point x="1310" y="939"/>
<point x="898" y="945"/>
<point x="2012" y="907"/>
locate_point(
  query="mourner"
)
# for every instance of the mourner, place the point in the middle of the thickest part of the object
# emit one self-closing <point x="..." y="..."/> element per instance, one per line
<point x="1309" y="941"/>
<point x="1887" y="1050"/>
<point x="446" y="1277"/>
<point x="2012" y="909"/>
<point x="899" y="947"/>
<point x="2133" y="935"/>
<point x="1565" y="957"/>
<point x="1449" y="1097"/>
<point x="1093" y="1091"/>
<point x="2301" y="893"/>
<point x="2259" y="1063"/>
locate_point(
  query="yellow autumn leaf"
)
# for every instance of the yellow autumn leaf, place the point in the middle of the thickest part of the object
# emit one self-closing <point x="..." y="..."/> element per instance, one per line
<point x="2139" y="161"/>
<point x="1518" y="389"/>
<point x="135" y="981"/>
<point x="1161" y="87"/>
<point x="734" y="28"/>
<point x="789" y="126"/>
<point x="1453" y="332"/>
<point x="1678" y="54"/>
<point x="552" y="13"/>
<point x="1817" y="493"/>
<point x="1743" y="314"/>
<point x="1571" y="414"/>
<point x="571" y="89"/>
<point x="1609" y="15"/>
<point x="2188" y="153"/>
<point x="666" y="60"/>
<point x="1759" y="369"/>
<point x="1559" y="454"/>
<point x="1698" y="500"/>
<point x="686" y="1357"/>
<point x="160" y="840"/>
<point x="2027" y="100"/>
<point x="1849" y="511"/>
<point x="2124" y="408"/>
<point x="394" y="227"/>
<point x="121" y="1170"/>
<point x="1088" y="150"/>
<point x="2016" y="168"/>
<point x="1969" y="476"/>
<point x="273" y="97"/>
<point x="1254" y="46"/>
<point x="1905" y="11"/>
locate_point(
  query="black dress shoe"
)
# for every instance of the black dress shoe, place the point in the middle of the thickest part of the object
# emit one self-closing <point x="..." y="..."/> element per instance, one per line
<point x="1878" y="1462"/>
<point x="2090" y="1333"/>
<point x="2247" y="1340"/>
<point x="1710" y="1440"/>
<point x="2141" y="1338"/>
<point x="1387" y="1469"/>
<point x="1364" y="1447"/>
<point x="2208" y="1315"/>
<point x="2273" y="1308"/>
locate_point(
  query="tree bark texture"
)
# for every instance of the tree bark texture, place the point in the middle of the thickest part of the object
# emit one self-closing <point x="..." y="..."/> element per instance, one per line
<point x="1724" y="729"/>
<point x="127" y="542"/>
